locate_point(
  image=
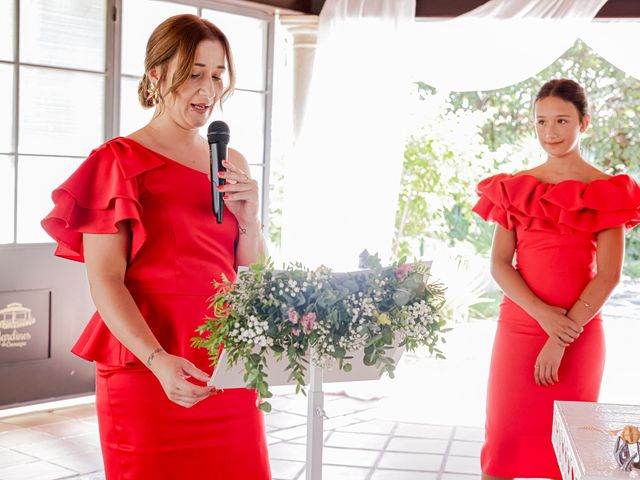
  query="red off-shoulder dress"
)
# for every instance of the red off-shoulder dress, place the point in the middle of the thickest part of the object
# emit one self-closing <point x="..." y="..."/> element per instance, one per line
<point x="556" y="227"/>
<point x="177" y="249"/>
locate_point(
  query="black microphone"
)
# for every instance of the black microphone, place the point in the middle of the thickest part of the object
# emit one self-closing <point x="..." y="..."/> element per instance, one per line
<point x="218" y="138"/>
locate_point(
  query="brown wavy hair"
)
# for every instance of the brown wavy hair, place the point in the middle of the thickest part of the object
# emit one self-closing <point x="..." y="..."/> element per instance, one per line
<point x="179" y="36"/>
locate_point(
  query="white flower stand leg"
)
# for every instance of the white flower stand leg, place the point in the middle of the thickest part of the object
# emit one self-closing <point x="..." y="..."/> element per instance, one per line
<point x="315" y="424"/>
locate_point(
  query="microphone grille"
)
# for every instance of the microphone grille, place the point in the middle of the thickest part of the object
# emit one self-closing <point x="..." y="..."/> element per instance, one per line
<point x="218" y="131"/>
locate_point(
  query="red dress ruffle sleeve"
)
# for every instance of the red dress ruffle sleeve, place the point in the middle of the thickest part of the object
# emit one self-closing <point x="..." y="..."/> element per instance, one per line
<point x="102" y="192"/>
<point x="563" y="207"/>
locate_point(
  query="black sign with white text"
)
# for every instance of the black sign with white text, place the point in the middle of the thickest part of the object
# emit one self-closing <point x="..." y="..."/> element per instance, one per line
<point x="24" y="325"/>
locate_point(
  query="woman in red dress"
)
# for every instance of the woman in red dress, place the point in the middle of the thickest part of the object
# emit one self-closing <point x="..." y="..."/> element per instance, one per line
<point x="565" y="222"/>
<point x="138" y="213"/>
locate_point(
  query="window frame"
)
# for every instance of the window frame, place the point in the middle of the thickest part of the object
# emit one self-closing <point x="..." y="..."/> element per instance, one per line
<point x="112" y="93"/>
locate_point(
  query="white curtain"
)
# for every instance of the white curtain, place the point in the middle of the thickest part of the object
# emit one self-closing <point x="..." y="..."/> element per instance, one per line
<point x="616" y="41"/>
<point x="342" y="186"/>
<point x="481" y="51"/>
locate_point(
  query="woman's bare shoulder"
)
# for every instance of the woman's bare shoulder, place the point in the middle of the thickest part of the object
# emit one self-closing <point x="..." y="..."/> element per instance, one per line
<point x="597" y="174"/>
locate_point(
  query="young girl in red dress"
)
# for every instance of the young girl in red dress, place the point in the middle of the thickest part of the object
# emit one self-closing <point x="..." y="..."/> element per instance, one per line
<point x="565" y="222"/>
<point x="138" y="213"/>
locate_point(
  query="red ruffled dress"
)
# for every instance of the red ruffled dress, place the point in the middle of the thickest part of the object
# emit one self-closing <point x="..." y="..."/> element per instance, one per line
<point x="177" y="249"/>
<point x="556" y="227"/>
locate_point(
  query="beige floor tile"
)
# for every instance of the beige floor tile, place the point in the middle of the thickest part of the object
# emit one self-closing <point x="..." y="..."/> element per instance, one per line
<point x="57" y="447"/>
<point x="350" y="456"/>
<point x="368" y="441"/>
<point x="469" y="433"/>
<point x="459" y="476"/>
<point x="86" y="462"/>
<point x="423" y="431"/>
<point x="411" y="461"/>
<point x="285" y="470"/>
<point x="39" y="470"/>
<point x="281" y="420"/>
<point x="10" y="457"/>
<point x="7" y="427"/>
<point x="344" y="473"/>
<point x="80" y="411"/>
<point x="465" y="449"/>
<point x="380" y="474"/>
<point x="372" y="426"/>
<point x="462" y="465"/>
<point x="91" y="476"/>
<point x="288" y="451"/>
<point x="22" y="437"/>
<point x="92" y="439"/>
<point x="339" y="422"/>
<point x="418" y="445"/>
<point x="33" y="419"/>
<point x="299" y="432"/>
<point x="67" y="429"/>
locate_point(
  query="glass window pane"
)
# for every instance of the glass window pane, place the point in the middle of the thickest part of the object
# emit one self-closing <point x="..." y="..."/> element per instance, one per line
<point x="61" y="112"/>
<point x="6" y="113"/>
<point x="132" y="115"/>
<point x="248" y="39"/>
<point x="37" y="177"/>
<point x="7" y="176"/>
<point x="7" y="30"/>
<point x="139" y="18"/>
<point x="244" y="113"/>
<point x="64" y="33"/>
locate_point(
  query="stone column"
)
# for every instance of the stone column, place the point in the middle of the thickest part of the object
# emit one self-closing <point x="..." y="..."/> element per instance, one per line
<point x="303" y="30"/>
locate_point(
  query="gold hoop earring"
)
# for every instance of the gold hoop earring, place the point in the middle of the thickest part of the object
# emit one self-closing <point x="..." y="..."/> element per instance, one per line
<point x="153" y="95"/>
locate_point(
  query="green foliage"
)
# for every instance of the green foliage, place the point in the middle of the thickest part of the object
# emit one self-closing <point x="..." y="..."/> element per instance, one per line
<point x="467" y="136"/>
<point x="301" y="314"/>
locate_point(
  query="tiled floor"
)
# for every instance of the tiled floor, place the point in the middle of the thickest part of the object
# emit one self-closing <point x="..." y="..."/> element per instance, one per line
<point x="63" y="444"/>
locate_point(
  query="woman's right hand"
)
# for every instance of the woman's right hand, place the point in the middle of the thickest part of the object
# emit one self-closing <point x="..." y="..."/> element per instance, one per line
<point x="560" y="328"/>
<point x="172" y="372"/>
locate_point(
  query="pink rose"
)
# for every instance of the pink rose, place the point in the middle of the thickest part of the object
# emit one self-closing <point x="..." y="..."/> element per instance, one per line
<point x="403" y="270"/>
<point x="294" y="316"/>
<point x="308" y="321"/>
<point x="295" y="331"/>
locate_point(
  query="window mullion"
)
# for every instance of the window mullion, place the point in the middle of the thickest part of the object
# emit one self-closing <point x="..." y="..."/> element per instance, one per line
<point x="16" y="113"/>
<point x="114" y="54"/>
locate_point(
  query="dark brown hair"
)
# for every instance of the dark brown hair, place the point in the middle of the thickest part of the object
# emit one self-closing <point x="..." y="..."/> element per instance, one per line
<point x="569" y="91"/>
<point x="179" y="36"/>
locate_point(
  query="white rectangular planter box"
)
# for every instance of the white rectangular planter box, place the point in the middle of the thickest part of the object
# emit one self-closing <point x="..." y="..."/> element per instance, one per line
<point x="232" y="377"/>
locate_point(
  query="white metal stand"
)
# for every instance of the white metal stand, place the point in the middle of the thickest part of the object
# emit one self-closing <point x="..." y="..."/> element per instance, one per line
<point x="315" y="424"/>
<point x="226" y="376"/>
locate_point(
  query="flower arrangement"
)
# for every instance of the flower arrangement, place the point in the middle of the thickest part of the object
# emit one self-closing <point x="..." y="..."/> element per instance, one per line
<point x="299" y="313"/>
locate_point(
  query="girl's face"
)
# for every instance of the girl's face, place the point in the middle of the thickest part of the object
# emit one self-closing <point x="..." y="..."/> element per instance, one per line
<point x="191" y="105"/>
<point x="558" y="126"/>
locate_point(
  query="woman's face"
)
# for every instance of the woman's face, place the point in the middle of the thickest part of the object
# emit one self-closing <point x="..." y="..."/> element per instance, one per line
<point x="191" y="105"/>
<point x="558" y="126"/>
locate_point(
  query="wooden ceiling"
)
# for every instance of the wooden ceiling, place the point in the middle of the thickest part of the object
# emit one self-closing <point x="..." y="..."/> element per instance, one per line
<point x="453" y="8"/>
